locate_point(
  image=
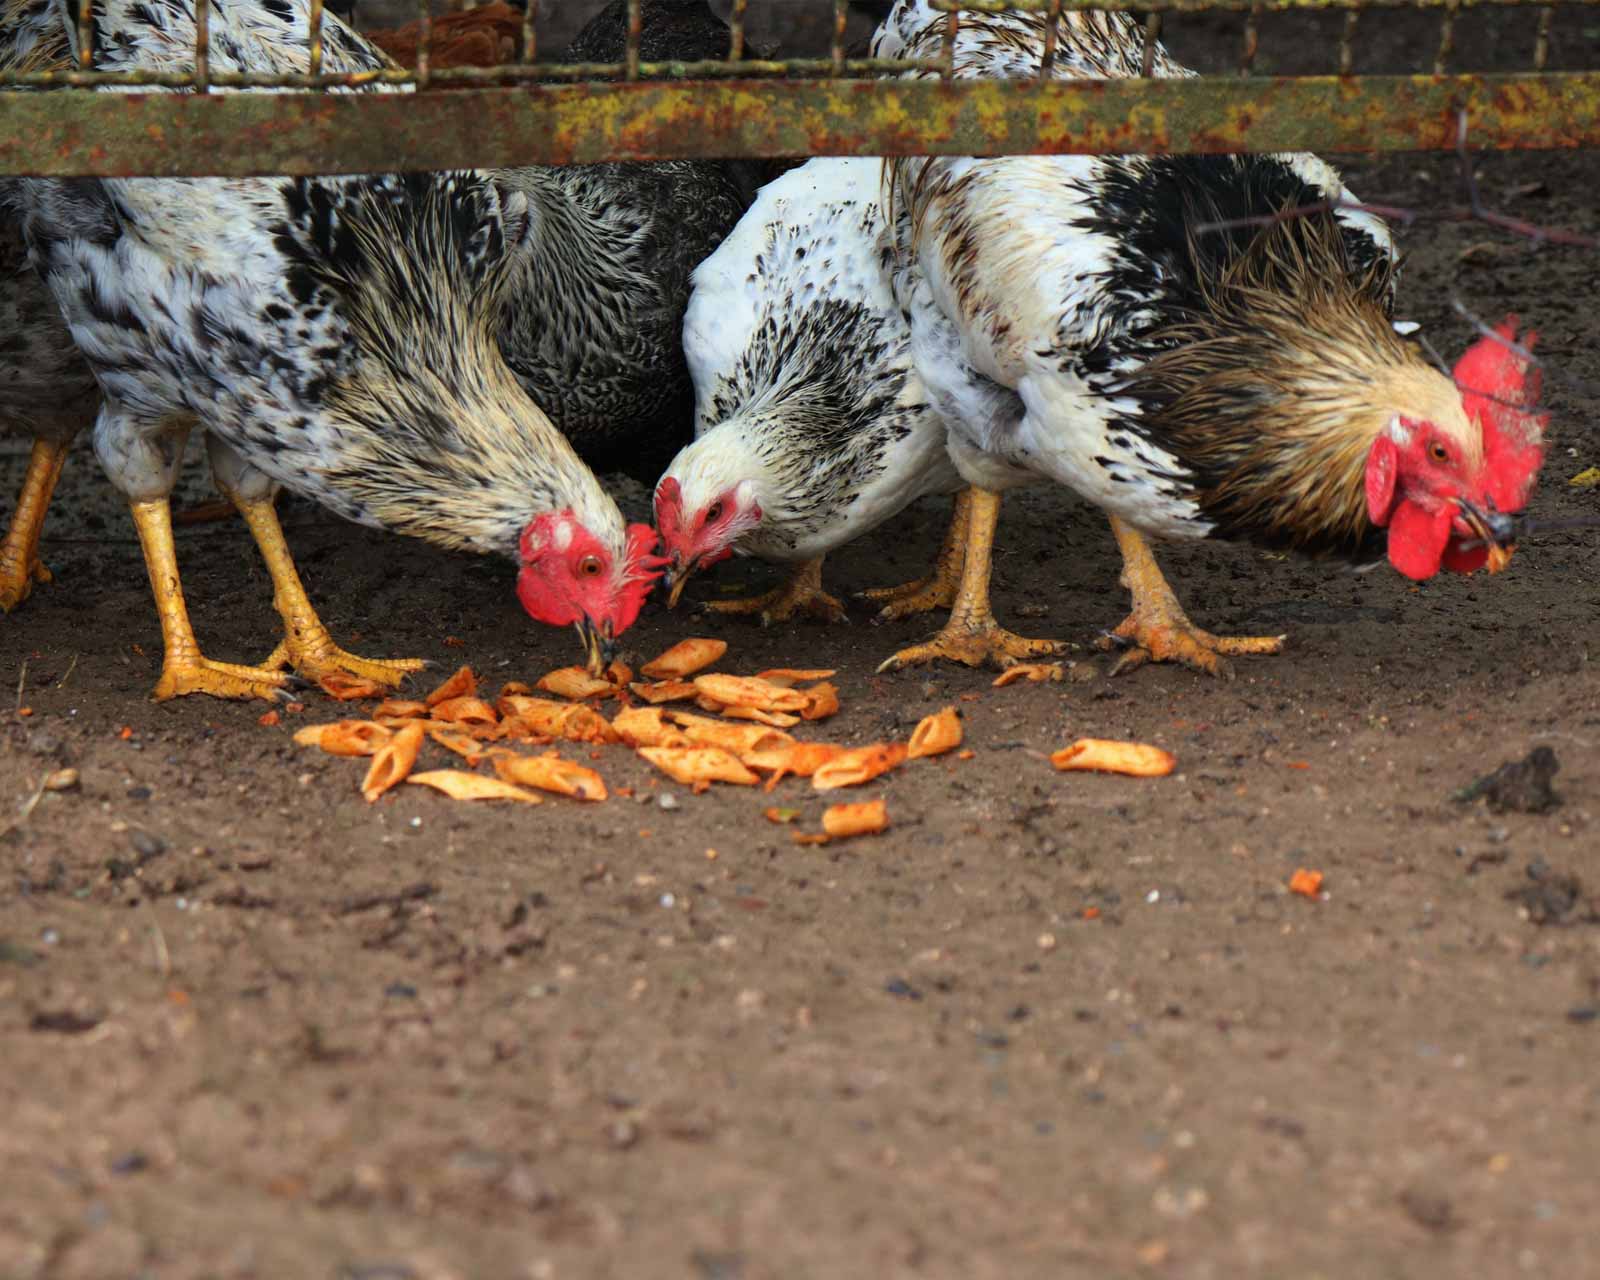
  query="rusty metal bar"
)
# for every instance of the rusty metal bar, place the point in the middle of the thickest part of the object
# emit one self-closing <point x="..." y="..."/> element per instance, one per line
<point x="630" y="66"/>
<point x="841" y="18"/>
<point x="1541" y="40"/>
<point x="314" y="39"/>
<point x="85" y="34"/>
<point x="424" y="42"/>
<point x="529" y="53"/>
<point x="72" y="133"/>
<point x="1047" y="55"/>
<point x="202" y="46"/>
<point x="736" y="31"/>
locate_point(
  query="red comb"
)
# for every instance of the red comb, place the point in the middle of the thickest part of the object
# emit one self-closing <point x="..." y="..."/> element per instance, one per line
<point x="1499" y="387"/>
<point x="669" y="509"/>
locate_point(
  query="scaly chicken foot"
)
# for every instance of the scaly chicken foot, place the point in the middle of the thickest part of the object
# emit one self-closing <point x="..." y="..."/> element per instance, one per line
<point x="801" y="593"/>
<point x="1158" y="630"/>
<point x="938" y="589"/>
<point x="20" y="566"/>
<point x="306" y="644"/>
<point x="184" y="669"/>
<point x="972" y="636"/>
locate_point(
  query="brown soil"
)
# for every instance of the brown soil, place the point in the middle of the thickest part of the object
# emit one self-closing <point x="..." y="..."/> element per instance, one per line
<point x="1048" y="1025"/>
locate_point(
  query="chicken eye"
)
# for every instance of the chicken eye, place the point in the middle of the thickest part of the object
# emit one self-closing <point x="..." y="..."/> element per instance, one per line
<point x="714" y="513"/>
<point x="589" y="566"/>
<point x="1438" y="452"/>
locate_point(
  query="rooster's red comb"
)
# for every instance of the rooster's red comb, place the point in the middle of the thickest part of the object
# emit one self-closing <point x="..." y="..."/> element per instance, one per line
<point x="1500" y="385"/>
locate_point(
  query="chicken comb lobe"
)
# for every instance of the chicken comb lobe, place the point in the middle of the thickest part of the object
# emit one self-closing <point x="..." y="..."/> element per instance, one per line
<point x="1499" y="387"/>
<point x="669" y="511"/>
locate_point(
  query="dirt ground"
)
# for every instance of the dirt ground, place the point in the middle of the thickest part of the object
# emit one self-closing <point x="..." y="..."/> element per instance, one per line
<point x="1048" y="1025"/>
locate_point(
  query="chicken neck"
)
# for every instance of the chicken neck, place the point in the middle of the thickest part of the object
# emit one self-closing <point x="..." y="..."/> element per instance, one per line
<point x="1158" y="630"/>
<point x="20" y="567"/>
<point x="972" y="636"/>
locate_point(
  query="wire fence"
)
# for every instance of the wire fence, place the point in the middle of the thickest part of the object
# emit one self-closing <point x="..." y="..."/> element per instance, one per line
<point x="533" y="110"/>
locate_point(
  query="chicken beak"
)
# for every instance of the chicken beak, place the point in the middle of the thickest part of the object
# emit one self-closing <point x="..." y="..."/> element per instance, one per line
<point x="678" y="575"/>
<point x="1497" y="530"/>
<point x="599" y="646"/>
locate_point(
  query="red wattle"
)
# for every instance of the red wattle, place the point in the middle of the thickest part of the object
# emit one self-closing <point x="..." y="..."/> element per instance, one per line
<point x="1417" y="540"/>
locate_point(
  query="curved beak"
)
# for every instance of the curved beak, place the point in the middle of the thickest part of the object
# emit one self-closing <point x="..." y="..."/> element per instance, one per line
<point x="677" y="577"/>
<point x="599" y="645"/>
<point x="1497" y="531"/>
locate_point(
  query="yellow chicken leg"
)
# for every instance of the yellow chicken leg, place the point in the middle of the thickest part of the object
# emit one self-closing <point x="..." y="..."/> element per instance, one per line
<point x="19" y="552"/>
<point x="306" y="644"/>
<point x="183" y="668"/>
<point x="801" y="593"/>
<point x="1158" y="630"/>
<point x="938" y="589"/>
<point x="972" y="636"/>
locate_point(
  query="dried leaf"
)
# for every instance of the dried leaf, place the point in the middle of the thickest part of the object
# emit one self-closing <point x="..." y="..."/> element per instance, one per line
<point x="746" y="691"/>
<point x="695" y="765"/>
<point x="935" y="734"/>
<point x="1137" y="759"/>
<point x="459" y="785"/>
<point x="461" y="685"/>
<point x="859" y="764"/>
<point x="552" y="773"/>
<point x="394" y="762"/>
<point x="864" y="818"/>
<point x="684" y="659"/>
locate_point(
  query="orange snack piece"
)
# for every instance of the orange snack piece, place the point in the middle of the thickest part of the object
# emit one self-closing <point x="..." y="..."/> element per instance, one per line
<point x="793" y="675"/>
<point x="647" y="727"/>
<point x="935" y="734"/>
<point x="822" y="701"/>
<point x="393" y="763"/>
<point x="684" y="659"/>
<point x="699" y="766"/>
<point x="343" y="687"/>
<point x="344" y="737"/>
<point x="737" y="738"/>
<point x="465" y="710"/>
<point x="1308" y="884"/>
<point x="551" y="773"/>
<point x="864" y="818"/>
<point x="460" y="785"/>
<point x="399" y="709"/>
<point x="1034" y="671"/>
<point x="575" y="683"/>
<point x="802" y="759"/>
<point x="1137" y="759"/>
<point x="463" y="744"/>
<point x="463" y="684"/>
<point x="850" y="768"/>
<point x="664" y="690"/>
<point x="775" y="719"/>
<point x="746" y="691"/>
<point x="573" y="721"/>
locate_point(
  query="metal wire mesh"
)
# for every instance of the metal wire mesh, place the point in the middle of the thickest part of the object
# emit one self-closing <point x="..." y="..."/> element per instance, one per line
<point x="533" y="110"/>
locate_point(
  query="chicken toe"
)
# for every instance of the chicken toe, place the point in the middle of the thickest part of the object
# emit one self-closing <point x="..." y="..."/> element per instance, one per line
<point x="938" y="589"/>
<point x="801" y="593"/>
<point x="1158" y="630"/>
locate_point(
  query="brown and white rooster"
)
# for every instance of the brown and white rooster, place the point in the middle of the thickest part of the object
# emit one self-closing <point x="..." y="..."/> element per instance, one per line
<point x="1075" y="323"/>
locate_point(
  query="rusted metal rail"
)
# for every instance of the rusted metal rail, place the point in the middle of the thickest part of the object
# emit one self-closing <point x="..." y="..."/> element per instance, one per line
<point x="836" y="105"/>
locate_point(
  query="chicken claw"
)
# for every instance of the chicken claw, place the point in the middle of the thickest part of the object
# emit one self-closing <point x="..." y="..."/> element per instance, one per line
<point x="315" y="655"/>
<point x="20" y="567"/>
<point x="191" y="673"/>
<point x="801" y="593"/>
<point x="938" y="590"/>
<point x="1158" y="630"/>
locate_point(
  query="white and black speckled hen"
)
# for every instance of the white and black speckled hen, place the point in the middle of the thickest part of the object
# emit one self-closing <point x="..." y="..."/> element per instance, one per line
<point x="813" y="424"/>
<point x="334" y="335"/>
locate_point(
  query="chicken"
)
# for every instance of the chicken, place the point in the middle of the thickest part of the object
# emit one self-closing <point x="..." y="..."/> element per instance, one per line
<point x="812" y="426"/>
<point x="46" y="390"/>
<point x="1074" y="323"/>
<point x="334" y="335"/>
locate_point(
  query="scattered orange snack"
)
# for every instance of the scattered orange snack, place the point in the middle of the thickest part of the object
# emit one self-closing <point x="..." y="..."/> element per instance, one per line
<point x="852" y="767"/>
<point x="695" y="765"/>
<point x="1034" y="671"/>
<point x="552" y="773"/>
<point x="569" y="720"/>
<point x="737" y="738"/>
<point x="647" y="727"/>
<point x="515" y="686"/>
<point x="454" y="642"/>
<point x="793" y="675"/>
<point x="399" y="709"/>
<point x="463" y="744"/>
<point x="343" y="687"/>
<point x="575" y="683"/>
<point x="966" y="755"/>
<point x="664" y="690"/>
<point x="811" y="837"/>
<point x="1136" y="759"/>
<point x="459" y="785"/>
<point x="776" y="719"/>
<point x="864" y="818"/>
<point x="271" y="718"/>
<point x="802" y="759"/>
<point x="469" y="711"/>
<point x="746" y="691"/>
<point x="684" y="659"/>
<point x="461" y="685"/>
<point x="345" y="737"/>
<point x="780" y="816"/>
<point x="1091" y="913"/>
<point x="822" y="701"/>
<point x="1308" y="884"/>
<point x="935" y="734"/>
<point x="1499" y="558"/>
<point x="393" y="762"/>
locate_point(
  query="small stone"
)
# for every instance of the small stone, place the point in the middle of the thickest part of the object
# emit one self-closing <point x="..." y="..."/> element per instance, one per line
<point x="61" y="780"/>
<point x="147" y="845"/>
<point x="667" y="801"/>
<point x="623" y="1134"/>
